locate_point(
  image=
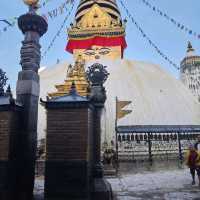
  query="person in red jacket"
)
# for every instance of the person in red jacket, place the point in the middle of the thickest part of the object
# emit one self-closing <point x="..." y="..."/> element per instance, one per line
<point x="193" y="162"/>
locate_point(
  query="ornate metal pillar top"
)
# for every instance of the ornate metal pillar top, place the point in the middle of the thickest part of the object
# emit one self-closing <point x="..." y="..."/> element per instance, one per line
<point x="33" y="26"/>
<point x="31" y="21"/>
<point x="97" y="75"/>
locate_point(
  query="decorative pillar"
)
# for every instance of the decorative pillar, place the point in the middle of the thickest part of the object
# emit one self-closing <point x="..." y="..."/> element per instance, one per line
<point x="33" y="27"/>
<point x="97" y="75"/>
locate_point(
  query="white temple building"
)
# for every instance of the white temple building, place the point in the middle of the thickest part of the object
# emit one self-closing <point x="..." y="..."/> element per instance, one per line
<point x="190" y="71"/>
<point x="157" y="97"/>
<point x="98" y="35"/>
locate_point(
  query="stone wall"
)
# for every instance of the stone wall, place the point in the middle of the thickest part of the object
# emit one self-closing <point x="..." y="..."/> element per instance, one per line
<point x="68" y="153"/>
<point x="9" y="130"/>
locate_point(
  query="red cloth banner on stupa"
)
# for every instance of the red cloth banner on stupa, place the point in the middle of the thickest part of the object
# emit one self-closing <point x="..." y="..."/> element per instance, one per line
<point x="99" y="41"/>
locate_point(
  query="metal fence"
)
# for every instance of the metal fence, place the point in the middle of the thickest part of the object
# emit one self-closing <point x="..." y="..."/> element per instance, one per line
<point x="149" y="142"/>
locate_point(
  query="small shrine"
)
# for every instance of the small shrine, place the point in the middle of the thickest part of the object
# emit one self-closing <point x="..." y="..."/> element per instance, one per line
<point x="76" y="74"/>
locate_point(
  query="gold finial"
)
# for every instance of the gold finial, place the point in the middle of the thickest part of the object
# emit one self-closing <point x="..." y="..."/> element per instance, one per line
<point x="189" y="48"/>
<point x="31" y="2"/>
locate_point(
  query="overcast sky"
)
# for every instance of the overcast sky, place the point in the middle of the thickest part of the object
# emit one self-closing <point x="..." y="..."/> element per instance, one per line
<point x="171" y="40"/>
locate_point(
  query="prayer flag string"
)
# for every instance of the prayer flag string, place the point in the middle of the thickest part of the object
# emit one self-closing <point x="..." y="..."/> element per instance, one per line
<point x="151" y="43"/>
<point x="59" y="31"/>
<point x="52" y="14"/>
<point x="179" y="25"/>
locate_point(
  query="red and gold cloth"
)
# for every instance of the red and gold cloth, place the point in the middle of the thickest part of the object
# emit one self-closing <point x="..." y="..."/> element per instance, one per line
<point x="99" y="41"/>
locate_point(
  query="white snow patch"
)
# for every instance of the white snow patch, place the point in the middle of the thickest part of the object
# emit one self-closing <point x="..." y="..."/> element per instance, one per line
<point x="152" y="181"/>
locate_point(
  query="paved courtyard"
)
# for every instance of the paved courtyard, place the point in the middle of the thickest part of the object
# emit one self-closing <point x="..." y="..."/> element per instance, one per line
<point x="158" y="185"/>
<point x="161" y="185"/>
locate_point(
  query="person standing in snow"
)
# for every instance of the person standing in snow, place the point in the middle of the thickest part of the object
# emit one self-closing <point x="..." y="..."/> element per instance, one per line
<point x="193" y="162"/>
<point x="197" y="144"/>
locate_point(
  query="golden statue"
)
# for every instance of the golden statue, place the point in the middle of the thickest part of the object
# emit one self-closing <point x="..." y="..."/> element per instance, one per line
<point x="77" y="75"/>
<point x="98" y="32"/>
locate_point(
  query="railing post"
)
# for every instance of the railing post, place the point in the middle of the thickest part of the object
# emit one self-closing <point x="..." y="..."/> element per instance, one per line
<point x="117" y="151"/>
<point x="149" y="146"/>
<point x="179" y="147"/>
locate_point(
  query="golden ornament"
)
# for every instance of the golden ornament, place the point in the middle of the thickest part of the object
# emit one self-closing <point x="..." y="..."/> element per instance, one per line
<point x="31" y="2"/>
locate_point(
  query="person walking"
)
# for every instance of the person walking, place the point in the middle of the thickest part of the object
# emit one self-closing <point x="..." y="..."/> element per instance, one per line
<point x="193" y="162"/>
<point x="197" y="144"/>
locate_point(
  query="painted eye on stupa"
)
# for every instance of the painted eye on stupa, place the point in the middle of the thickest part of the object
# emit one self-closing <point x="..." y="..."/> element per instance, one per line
<point x="89" y="52"/>
<point x="104" y="51"/>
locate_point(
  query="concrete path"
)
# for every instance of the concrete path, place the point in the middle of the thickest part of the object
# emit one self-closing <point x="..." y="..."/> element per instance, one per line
<point x="159" y="185"/>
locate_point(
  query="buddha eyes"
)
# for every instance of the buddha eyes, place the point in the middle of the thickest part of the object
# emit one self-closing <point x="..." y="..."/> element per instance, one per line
<point x="104" y="52"/>
<point x="92" y="52"/>
<point x="89" y="52"/>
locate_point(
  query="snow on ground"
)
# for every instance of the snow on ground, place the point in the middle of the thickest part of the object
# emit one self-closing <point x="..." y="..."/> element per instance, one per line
<point x="158" y="185"/>
<point x="161" y="185"/>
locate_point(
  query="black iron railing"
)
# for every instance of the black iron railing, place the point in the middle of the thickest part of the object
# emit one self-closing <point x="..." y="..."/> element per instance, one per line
<point x="150" y="141"/>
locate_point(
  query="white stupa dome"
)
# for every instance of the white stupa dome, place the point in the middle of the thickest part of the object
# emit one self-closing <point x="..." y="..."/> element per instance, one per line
<point x="157" y="97"/>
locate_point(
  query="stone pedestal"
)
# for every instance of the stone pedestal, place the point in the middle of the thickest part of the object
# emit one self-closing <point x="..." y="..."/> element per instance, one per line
<point x="9" y="133"/>
<point x="68" y="171"/>
<point x="102" y="188"/>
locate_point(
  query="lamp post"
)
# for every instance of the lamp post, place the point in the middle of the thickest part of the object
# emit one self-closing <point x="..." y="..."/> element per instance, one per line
<point x="33" y="27"/>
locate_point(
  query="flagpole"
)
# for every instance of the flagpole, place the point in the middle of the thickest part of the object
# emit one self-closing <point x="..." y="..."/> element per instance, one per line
<point x="116" y="136"/>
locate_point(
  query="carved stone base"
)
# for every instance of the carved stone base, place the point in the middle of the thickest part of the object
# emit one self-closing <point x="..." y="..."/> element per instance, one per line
<point x="8" y="181"/>
<point x="102" y="190"/>
<point x="109" y="170"/>
<point x="66" y="180"/>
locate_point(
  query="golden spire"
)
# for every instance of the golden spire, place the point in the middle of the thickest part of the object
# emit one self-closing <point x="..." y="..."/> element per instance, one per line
<point x="98" y="31"/>
<point x="76" y="74"/>
<point x="189" y="48"/>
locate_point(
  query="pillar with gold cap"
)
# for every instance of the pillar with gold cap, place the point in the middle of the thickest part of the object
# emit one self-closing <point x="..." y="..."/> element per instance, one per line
<point x="33" y="27"/>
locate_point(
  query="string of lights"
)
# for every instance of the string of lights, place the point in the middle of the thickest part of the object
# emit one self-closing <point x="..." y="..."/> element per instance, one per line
<point x="59" y="31"/>
<point x="151" y="43"/>
<point x="179" y="25"/>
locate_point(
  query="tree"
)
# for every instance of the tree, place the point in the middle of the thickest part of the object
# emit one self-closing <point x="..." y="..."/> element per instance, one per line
<point x="3" y="80"/>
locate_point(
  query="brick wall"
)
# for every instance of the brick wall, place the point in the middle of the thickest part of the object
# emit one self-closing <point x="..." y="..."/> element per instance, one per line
<point x="5" y="120"/>
<point x="68" y="153"/>
<point x="9" y="130"/>
<point x="67" y="134"/>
